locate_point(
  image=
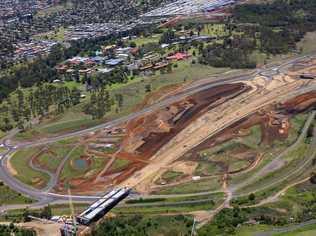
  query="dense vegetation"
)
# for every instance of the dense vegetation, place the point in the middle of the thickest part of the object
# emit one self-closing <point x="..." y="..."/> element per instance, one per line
<point x="297" y="205"/>
<point x="143" y="226"/>
<point x="252" y="28"/>
<point x="20" y="108"/>
<point x="9" y="196"/>
<point x="9" y="230"/>
<point x="271" y="28"/>
<point x="232" y="53"/>
<point x="23" y="215"/>
<point x="99" y="104"/>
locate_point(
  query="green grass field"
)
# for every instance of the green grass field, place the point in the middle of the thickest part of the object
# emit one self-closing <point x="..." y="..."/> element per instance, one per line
<point x="53" y="160"/>
<point x="133" y="92"/>
<point x="20" y="162"/>
<point x="205" y="167"/>
<point x="2" y="149"/>
<point x="56" y="35"/>
<point x="204" y="185"/>
<point x="8" y="196"/>
<point x="83" y="170"/>
<point x="146" y="225"/>
<point x="50" y="161"/>
<point x="144" y="40"/>
<point x="307" y="45"/>
<point x="185" y="207"/>
<point x="119" y="164"/>
<point x="170" y="176"/>
<point x="214" y="30"/>
<point x="69" y="171"/>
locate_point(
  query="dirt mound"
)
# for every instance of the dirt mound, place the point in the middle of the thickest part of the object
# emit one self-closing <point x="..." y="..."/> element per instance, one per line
<point x="159" y="95"/>
<point x="300" y="103"/>
<point x="146" y="135"/>
<point x="273" y="121"/>
<point x="186" y="167"/>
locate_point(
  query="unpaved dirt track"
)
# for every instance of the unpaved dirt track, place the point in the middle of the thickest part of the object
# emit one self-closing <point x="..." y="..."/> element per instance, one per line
<point x="210" y="123"/>
<point x="277" y="162"/>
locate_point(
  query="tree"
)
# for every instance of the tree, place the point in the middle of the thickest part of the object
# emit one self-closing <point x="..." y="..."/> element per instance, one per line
<point x="132" y="44"/>
<point x="251" y="197"/>
<point x="47" y="212"/>
<point x="313" y="178"/>
<point x="169" y="68"/>
<point x="75" y="96"/>
<point x="167" y="37"/>
<point x="26" y="214"/>
<point x="119" y="99"/>
<point x="100" y="103"/>
<point x="147" y="88"/>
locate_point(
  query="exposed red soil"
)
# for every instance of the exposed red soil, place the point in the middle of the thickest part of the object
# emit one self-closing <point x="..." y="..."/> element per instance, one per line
<point x="128" y="172"/>
<point x="300" y="103"/>
<point x="273" y="120"/>
<point x="146" y="135"/>
<point x="158" y="95"/>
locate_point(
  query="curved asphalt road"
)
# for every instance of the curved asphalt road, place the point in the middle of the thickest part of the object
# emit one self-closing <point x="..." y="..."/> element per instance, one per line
<point x="15" y="184"/>
<point x="46" y="197"/>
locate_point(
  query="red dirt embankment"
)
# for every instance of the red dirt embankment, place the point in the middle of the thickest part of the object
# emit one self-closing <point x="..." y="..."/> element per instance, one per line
<point x="273" y="121"/>
<point x="146" y="135"/>
<point x="301" y="103"/>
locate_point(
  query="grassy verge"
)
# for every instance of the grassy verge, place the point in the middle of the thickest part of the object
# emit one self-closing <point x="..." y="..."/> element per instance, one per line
<point x="285" y="174"/>
<point x="72" y="171"/>
<point x="8" y="196"/>
<point x="119" y="164"/>
<point x="133" y="94"/>
<point x="69" y="171"/>
<point x="204" y="185"/>
<point x="20" y="163"/>
<point x="145" y="225"/>
<point x="214" y="196"/>
<point x="295" y="206"/>
<point x="170" y="176"/>
<point x="183" y="207"/>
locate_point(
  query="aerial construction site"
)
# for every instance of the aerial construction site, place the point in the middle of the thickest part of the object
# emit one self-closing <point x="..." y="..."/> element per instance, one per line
<point x="173" y="136"/>
<point x="224" y="138"/>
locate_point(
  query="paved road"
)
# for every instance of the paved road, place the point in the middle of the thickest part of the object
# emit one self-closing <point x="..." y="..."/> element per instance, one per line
<point x="286" y="229"/>
<point x="12" y="182"/>
<point x="54" y="180"/>
<point x="277" y="162"/>
<point x="45" y="197"/>
<point x="189" y="91"/>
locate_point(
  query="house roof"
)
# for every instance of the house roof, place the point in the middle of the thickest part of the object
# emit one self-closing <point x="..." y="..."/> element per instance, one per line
<point x="178" y="56"/>
<point x="113" y="62"/>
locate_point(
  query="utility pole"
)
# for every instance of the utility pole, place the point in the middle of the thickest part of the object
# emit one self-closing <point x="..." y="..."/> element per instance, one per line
<point x="193" y="228"/>
<point x="72" y="212"/>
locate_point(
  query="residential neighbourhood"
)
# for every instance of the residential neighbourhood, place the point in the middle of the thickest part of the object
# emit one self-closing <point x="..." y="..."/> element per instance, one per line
<point x="30" y="46"/>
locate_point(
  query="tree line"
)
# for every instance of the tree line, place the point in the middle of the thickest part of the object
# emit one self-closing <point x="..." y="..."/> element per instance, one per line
<point x="21" y="107"/>
<point x="271" y="28"/>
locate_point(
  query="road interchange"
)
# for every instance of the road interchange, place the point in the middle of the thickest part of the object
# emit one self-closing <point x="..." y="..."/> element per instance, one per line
<point x="48" y="197"/>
